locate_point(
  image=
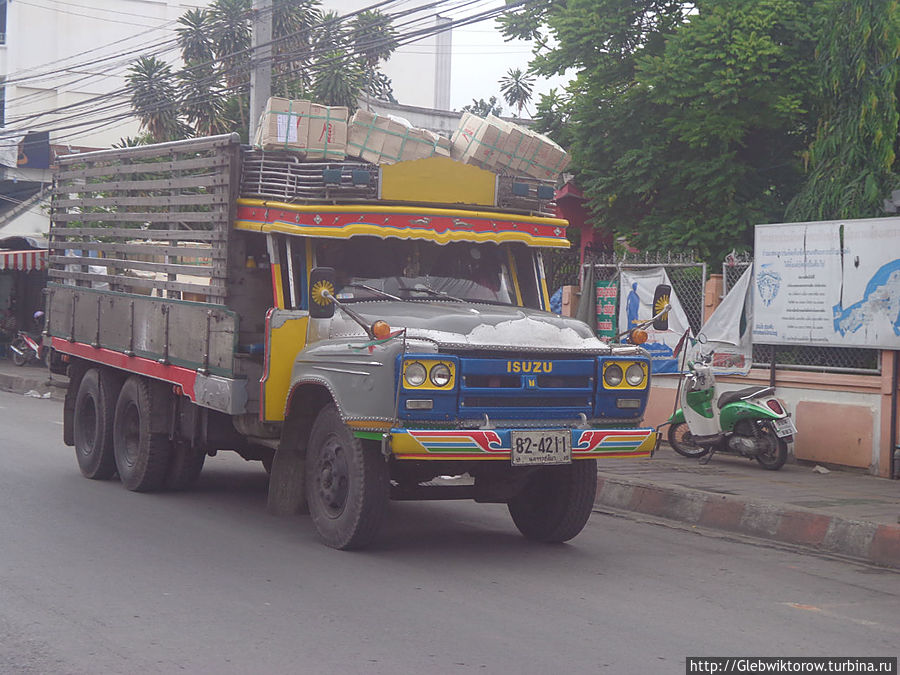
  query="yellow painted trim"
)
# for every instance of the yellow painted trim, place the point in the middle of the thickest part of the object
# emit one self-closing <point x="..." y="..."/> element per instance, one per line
<point x="404" y="210"/>
<point x="624" y="384"/>
<point x="278" y="285"/>
<point x="427" y="385"/>
<point x="438" y="180"/>
<point x="515" y="275"/>
<point x="284" y="343"/>
<point x="545" y="294"/>
<point x="365" y="229"/>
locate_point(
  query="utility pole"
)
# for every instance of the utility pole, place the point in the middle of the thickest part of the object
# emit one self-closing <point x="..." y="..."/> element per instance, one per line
<point x="261" y="61"/>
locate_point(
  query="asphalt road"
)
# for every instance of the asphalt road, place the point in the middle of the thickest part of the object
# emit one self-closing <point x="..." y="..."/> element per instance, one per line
<point x="95" y="579"/>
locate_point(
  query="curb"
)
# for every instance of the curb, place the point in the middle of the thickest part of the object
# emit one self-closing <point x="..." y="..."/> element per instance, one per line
<point x="19" y="384"/>
<point x="874" y="543"/>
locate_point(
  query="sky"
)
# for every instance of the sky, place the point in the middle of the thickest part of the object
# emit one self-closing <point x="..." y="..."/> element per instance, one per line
<point x="481" y="58"/>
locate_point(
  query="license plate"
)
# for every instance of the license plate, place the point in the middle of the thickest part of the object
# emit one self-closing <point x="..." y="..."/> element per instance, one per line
<point x="784" y="427"/>
<point x="541" y="447"/>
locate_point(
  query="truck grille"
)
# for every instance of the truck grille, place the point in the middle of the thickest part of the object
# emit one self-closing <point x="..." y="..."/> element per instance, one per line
<point x="523" y="388"/>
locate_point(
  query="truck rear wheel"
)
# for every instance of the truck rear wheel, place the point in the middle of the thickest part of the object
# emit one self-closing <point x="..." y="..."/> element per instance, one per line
<point x="556" y="503"/>
<point x="347" y="483"/>
<point x="142" y="457"/>
<point x="93" y="428"/>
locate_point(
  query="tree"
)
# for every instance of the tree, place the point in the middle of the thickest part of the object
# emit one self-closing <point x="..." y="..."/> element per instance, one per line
<point x="152" y="87"/>
<point x="484" y="108"/>
<point x="517" y="88"/>
<point x="852" y="158"/>
<point x="375" y="40"/>
<point x="315" y="55"/>
<point x="684" y="126"/>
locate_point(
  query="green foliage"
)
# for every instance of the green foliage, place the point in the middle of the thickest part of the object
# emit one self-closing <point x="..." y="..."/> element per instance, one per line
<point x="315" y="55"/>
<point x="484" y="108"/>
<point x="853" y="159"/>
<point x="685" y="122"/>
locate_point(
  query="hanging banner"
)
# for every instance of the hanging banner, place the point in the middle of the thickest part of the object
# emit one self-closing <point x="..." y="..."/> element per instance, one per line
<point x="607" y="295"/>
<point x="833" y="283"/>
<point x="636" y="306"/>
<point x="728" y="330"/>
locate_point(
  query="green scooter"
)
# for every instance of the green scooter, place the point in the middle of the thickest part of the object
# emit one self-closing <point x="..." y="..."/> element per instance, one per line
<point x="750" y="422"/>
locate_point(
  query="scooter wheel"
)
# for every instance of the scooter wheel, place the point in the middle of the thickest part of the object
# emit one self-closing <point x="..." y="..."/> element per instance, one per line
<point x="682" y="441"/>
<point x="22" y="346"/>
<point x="775" y="454"/>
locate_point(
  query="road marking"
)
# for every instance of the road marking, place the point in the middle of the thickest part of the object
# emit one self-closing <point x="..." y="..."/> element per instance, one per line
<point x="833" y="615"/>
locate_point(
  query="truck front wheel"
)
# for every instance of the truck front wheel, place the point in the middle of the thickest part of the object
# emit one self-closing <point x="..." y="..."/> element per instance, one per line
<point x="92" y="428"/>
<point x="556" y="503"/>
<point x="142" y="456"/>
<point x="347" y="483"/>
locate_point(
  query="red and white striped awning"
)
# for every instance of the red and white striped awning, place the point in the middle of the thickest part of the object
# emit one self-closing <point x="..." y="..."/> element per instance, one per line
<point x="24" y="261"/>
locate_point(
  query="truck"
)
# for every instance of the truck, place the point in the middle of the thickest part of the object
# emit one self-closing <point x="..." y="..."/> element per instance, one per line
<point x="369" y="333"/>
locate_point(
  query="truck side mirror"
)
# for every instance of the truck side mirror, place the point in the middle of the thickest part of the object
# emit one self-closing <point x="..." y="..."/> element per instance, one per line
<point x="321" y="289"/>
<point x="660" y="302"/>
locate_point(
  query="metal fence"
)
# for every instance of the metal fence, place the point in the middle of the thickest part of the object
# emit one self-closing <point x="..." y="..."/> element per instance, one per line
<point x="688" y="277"/>
<point x="804" y="357"/>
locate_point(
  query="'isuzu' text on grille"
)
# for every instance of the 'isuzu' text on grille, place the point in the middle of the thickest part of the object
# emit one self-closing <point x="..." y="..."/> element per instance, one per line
<point x="529" y="366"/>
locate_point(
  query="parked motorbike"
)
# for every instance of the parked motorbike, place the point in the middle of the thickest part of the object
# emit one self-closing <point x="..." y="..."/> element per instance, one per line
<point x="750" y="422"/>
<point x="26" y="348"/>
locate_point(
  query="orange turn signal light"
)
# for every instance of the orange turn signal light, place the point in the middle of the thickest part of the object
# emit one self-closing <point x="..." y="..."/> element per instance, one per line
<point x="638" y="336"/>
<point x="381" y="330"/>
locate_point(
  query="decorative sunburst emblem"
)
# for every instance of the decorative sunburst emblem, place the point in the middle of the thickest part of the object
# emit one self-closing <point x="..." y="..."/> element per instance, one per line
<point x="660" y="305"/>
<point x="318" y="291"/>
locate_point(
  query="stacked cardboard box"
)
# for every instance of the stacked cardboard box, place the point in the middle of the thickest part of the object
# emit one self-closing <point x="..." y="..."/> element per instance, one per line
<point x="497" y="145"/>
<point x="316" y="131"/>
<point x="385" y="139"/>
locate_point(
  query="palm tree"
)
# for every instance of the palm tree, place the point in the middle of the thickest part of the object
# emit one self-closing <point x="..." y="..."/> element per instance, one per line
<point x="375" y="40"/>
<point x="230" y="21"/>
<point x="154" y="100"/>
<point x="294" y="26"/>
<point x="194" y="36"/>
<point x="516" y="88"/>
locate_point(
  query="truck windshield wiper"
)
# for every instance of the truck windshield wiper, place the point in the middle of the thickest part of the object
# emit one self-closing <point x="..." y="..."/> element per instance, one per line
<point x="374" y="290"/>
<point x="430" y="291"/>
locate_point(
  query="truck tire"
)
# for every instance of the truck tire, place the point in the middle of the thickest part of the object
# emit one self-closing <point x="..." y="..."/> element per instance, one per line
<point x="185" y="465"/>
<point x="347" y="483"/>
<point x="93" y="428"/>
<point x="556" y="503"/>
<point x="142" y="457"/>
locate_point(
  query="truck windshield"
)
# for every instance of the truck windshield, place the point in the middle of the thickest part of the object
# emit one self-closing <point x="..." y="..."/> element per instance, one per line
<point x="368" y="268"/>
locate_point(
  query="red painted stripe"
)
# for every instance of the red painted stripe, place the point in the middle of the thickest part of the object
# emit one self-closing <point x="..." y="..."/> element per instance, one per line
<point x="184" y="377"/>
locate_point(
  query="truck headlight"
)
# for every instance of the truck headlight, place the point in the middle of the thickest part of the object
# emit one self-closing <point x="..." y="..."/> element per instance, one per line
<point x="440" y="375"/>
<point x="634" y="375"/>
<point x="414" y="374"/>
<point x="612" y="375"/>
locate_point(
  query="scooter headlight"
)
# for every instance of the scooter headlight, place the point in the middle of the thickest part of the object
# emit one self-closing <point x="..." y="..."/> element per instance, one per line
<point x="634" y="375"/>
<point x="612" y="375"/>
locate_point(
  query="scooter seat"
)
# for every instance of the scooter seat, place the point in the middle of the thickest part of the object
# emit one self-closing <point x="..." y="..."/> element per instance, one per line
<point x="747" y="392"/>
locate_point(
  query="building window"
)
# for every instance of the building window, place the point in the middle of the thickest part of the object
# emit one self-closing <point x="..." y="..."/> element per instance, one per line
<point x="2" y="22"/>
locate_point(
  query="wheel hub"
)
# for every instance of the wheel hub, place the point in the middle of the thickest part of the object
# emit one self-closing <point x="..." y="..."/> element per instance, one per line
<point x="334" y="477"/>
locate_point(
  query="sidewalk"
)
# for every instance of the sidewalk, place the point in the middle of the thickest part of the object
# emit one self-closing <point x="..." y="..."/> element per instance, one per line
<point x="840" y="512"/>
<point x="31" y="377"/>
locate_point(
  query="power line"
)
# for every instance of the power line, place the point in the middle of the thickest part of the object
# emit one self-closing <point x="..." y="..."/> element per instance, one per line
<point x="307" y="52"/>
